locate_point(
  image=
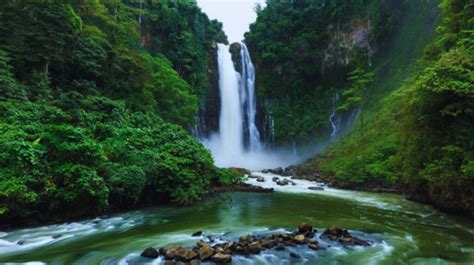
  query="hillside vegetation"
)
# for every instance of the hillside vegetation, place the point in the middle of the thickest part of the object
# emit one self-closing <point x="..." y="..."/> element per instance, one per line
<point x="93" y="95"/>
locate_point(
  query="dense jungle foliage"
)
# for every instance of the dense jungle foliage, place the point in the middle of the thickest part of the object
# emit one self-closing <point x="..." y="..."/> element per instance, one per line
<point x="418" y="133"/>
<point x="93" y="95"/>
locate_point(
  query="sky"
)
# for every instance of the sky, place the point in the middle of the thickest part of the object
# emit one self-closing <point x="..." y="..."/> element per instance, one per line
<point x="236" y="15"/>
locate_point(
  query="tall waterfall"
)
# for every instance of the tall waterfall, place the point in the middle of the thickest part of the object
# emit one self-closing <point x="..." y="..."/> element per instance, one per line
<point x="231" y="116"/>
<point x="238" y="142"/>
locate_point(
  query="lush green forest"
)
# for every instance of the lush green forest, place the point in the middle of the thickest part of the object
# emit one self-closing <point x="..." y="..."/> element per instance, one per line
<point x="95" y="101"/>
<point x="415" y="125"/>
<point x="98" y="99"/>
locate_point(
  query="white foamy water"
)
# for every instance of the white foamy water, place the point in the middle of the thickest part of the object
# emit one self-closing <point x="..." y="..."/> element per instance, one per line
<point x="30" y="238"/>
<point x="302" y="186"/>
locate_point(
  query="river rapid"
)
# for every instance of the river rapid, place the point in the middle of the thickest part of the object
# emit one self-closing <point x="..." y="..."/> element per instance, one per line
<point x="401" y="232"/>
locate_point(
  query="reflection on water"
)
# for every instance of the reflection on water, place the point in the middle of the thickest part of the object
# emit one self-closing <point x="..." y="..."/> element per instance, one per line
<point x="402" y="231"/>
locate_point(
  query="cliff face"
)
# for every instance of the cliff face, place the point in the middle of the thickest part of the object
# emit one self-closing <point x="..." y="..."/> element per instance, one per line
<point x="209" y="108"/>
<point x="304" y="53"/>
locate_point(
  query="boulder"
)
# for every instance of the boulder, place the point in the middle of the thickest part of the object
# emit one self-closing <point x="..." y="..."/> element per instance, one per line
<point x="305" y="228"/>
<point x="266" y="171"/>
<point x="275" y="179"/>
<point x="182" y="254"/>
<point x="170" y="252"/>
<point x="150" y="253"/>
<point x="294" y="255"/>
<point x="280" y="247"/>
<point x="315" y="188"/>
<point x="198" y="233"/>
<point x="221" y="258"/>
<point x="282" y="182"/>
<point x="260" y="179"/>
<point x="299" y="239"/>
<point x="254" y="247"/>
<point x="229" y="246"/>
<point x="360" y="242"/>
<point x="245" y="240"/>
<point x="241" y="250"/>
<point x="205" y="252"/>
<point x="278" y="171"/>
<point x="270" y="243"/>
<point x="313" y="246"/>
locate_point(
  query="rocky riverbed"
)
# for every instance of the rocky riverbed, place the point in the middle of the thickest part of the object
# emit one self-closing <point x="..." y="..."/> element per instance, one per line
<point x="222" y="252"/>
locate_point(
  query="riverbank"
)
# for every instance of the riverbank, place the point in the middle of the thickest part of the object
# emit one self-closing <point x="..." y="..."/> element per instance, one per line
<point x="41" y="220"/>
<point x="447" y="201"/>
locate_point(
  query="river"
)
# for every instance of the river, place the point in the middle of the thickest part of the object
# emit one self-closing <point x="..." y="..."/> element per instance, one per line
<point x="401" y="232"/>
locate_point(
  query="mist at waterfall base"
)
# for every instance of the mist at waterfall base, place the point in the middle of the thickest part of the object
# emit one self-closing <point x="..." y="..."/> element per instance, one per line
<point x="238" y="142"/>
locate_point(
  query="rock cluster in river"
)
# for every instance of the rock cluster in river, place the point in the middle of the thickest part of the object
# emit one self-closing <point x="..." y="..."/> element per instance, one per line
<point x="251" y="245"/>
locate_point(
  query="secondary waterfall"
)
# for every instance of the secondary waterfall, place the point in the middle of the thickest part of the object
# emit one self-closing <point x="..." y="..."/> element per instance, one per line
<point x="248" y="97"/>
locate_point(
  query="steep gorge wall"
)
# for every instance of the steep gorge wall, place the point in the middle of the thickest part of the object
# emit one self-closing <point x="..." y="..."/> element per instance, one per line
<point x="303" y="53"/>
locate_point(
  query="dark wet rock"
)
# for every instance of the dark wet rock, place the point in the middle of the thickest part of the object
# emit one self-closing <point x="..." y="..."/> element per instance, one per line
<point x="360" y="242"/>
<point x="249" y="245"/>
<point x="245" y="240"/>
<point x="289" y="171"/>
<point x="20" y="242"/>
<point x="305" y="228"/>
<point x="266" y="171"/>
<point x="254" y="247"/>
<point x="150" y="253"/>
<point x="230" y="245"/>
<point x="282" y="182"/>
<point x="240" y="170"/>
<point x="270" y="243"/>
<point x="56" y="236"/>
<point x="292" y="182"/>
<point x="260" y="179"/>
<point x="241" y="250"/>
<point x="280" y="247"/>
<point x="278" y="171"/>
<point x="295" y="255"/>
<point x="221" y="258"/>
<point x="198" y="233"/>
<point x="315" y="188"/>
<point x="275" y="179"/>
<point x="169" y="262"/>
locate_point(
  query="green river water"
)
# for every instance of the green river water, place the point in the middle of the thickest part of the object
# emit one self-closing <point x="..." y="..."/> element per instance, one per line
<point x="401" y="232"/>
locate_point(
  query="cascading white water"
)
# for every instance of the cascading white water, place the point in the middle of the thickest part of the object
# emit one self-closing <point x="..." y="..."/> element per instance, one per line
<point x="237" y="118"/>
<point x="250" y="103"/>
<point x="230" y="121"/>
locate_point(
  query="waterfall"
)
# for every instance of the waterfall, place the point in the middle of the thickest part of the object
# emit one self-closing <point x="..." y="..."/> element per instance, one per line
<point x="335" y="122"/>
<point x="238" y="108"/>
<point x="230" y="120"/>
<point x="248" y="88"/>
